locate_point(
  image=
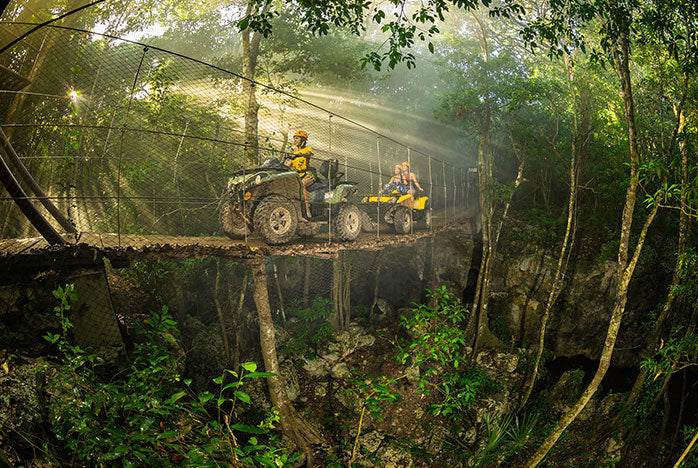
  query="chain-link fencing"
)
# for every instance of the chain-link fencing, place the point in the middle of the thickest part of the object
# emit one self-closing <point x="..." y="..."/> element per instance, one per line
<point x="129" y="141"/>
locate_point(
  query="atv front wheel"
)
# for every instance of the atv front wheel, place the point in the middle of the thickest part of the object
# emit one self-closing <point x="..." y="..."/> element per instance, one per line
<point x="402" y="220"/>
<point x="231" y="221"/>
<point x="367" y="224"/>
<point x="347" y="224"/>
<point x="276" y="219"/>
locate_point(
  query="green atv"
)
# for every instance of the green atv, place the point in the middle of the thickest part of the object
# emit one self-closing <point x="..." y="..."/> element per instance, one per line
<point x="269" y="200"/>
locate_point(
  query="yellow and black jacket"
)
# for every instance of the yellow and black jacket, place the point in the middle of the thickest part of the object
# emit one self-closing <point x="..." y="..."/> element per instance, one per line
<point x="300" y="161"/>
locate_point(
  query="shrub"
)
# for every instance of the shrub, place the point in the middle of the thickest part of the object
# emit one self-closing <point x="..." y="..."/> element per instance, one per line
<point x="145" y="415"/>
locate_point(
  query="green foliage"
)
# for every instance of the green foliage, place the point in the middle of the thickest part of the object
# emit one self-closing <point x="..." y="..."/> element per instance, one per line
<point x="313" y="326"/>
<point x="144" y="415"/>
<point x="676" y="353"/>
<point x="402" y="29"/>
<point x="374" y="391"/>
<point x="437" y="331"/>
<point x="152" y="276"/>
<point x="439" y="345"/>
<point x="691" y="460"/>
<point x="460" y="391"/>
<point x="688" y="275"/>
<point x="507" y="435"/>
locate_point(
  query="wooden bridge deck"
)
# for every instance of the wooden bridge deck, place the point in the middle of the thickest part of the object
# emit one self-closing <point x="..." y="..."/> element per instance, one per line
<point x="87" y="247"/>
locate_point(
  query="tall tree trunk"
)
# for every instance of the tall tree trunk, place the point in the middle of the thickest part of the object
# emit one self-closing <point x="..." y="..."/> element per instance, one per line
<point x="684" y="220"/>
<point x="338" y="291"/>
<point x="560" y="270"/>
<point x="293" y="426"/>
<point x="626" y="267"/>
<point x="484" y="168"/>
<point x="250" y="53"/>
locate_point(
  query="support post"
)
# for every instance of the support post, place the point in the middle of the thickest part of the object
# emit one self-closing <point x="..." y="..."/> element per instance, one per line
<point x="410" y="169"/>
<point x="431" y="194"/>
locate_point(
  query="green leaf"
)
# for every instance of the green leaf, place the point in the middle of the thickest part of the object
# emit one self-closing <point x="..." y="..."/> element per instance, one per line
<point x="247" y="428"/>
<point x="249" y="366"/>
<point x="176" y="397"/>
<point x="264" y="461"/>
<point x="258" y="374"/>
<point x="231" y="385"/>
<point x="118" y="452"/>
<point x="242" y="396"/>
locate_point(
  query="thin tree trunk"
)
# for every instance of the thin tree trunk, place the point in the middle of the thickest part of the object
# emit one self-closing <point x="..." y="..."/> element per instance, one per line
<point x="293" y="426"/>
<point x="559" y="277"/>
<point x="625" y="267"/>
<point x="306" y="283"/>
<point x="688" y="449"/>
<point x="278" y="293"/>
<point x="653" y="340"/>
<point x="219" y="311"/>
<point x="346" y="298"/>
<point x="238" y="319"/>
<point x="338" y="291"/>
<point x="250" y="52"/>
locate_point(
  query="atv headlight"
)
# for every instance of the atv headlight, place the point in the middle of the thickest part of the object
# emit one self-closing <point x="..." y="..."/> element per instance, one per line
<point x="258" y="180"/>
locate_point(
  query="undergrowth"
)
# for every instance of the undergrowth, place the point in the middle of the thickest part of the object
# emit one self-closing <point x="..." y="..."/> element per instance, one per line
<point x="144" y="414"/>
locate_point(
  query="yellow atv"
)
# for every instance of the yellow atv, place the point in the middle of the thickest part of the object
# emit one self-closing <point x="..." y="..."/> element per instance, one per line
<point x="389" y="203"/>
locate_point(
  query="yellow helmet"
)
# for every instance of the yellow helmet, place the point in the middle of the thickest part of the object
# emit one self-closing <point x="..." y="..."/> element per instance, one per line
<point x="301" y="133"/>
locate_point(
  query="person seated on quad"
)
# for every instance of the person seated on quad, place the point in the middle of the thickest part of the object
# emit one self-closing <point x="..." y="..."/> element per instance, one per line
<point x="410" y="183"/>
<point x="395" y="182"/>
<point x="300" y="162"/>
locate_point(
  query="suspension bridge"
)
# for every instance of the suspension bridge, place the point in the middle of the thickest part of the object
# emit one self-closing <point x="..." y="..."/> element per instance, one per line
<point x="113" y="147"/>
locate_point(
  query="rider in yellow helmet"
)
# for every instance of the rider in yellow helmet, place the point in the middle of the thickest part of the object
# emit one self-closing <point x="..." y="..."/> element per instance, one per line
<point x="300" y="162"/>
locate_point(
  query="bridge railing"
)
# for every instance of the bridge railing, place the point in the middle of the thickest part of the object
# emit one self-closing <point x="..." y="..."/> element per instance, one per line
<point x="134" y="140"/>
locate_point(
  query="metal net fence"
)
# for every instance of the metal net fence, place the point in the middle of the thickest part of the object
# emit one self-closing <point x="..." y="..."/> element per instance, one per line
<point x="130" y="141"/>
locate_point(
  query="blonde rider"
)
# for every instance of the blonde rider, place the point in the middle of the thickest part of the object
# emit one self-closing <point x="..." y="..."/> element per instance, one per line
<point x="409" y="181"/>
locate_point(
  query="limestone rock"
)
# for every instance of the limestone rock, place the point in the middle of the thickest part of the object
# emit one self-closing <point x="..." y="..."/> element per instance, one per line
<point x="21" y="411"/>
<point x="317" y="367"/>
<point x="610" y="403"/>
<point x="340" y="370"/>
<point x="321" y="389"/>
<point x="371" y="441"/>
<point x="349" y="399"/>
<point x="394" y="457"/>
<point x="567" y="389"/>
<point x="385" y="310"/>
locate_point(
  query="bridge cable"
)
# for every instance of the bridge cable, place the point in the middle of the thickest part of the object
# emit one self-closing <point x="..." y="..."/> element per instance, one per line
<point x="50" y="207"/>
<point x="27" y="208"/>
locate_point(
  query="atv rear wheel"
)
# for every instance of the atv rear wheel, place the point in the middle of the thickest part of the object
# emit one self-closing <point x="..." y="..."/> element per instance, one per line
<point x="347" y="224"/>
<point x="402" y="220"/>
<point x="276" y="219"/>
<point x="231" y="221"/>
